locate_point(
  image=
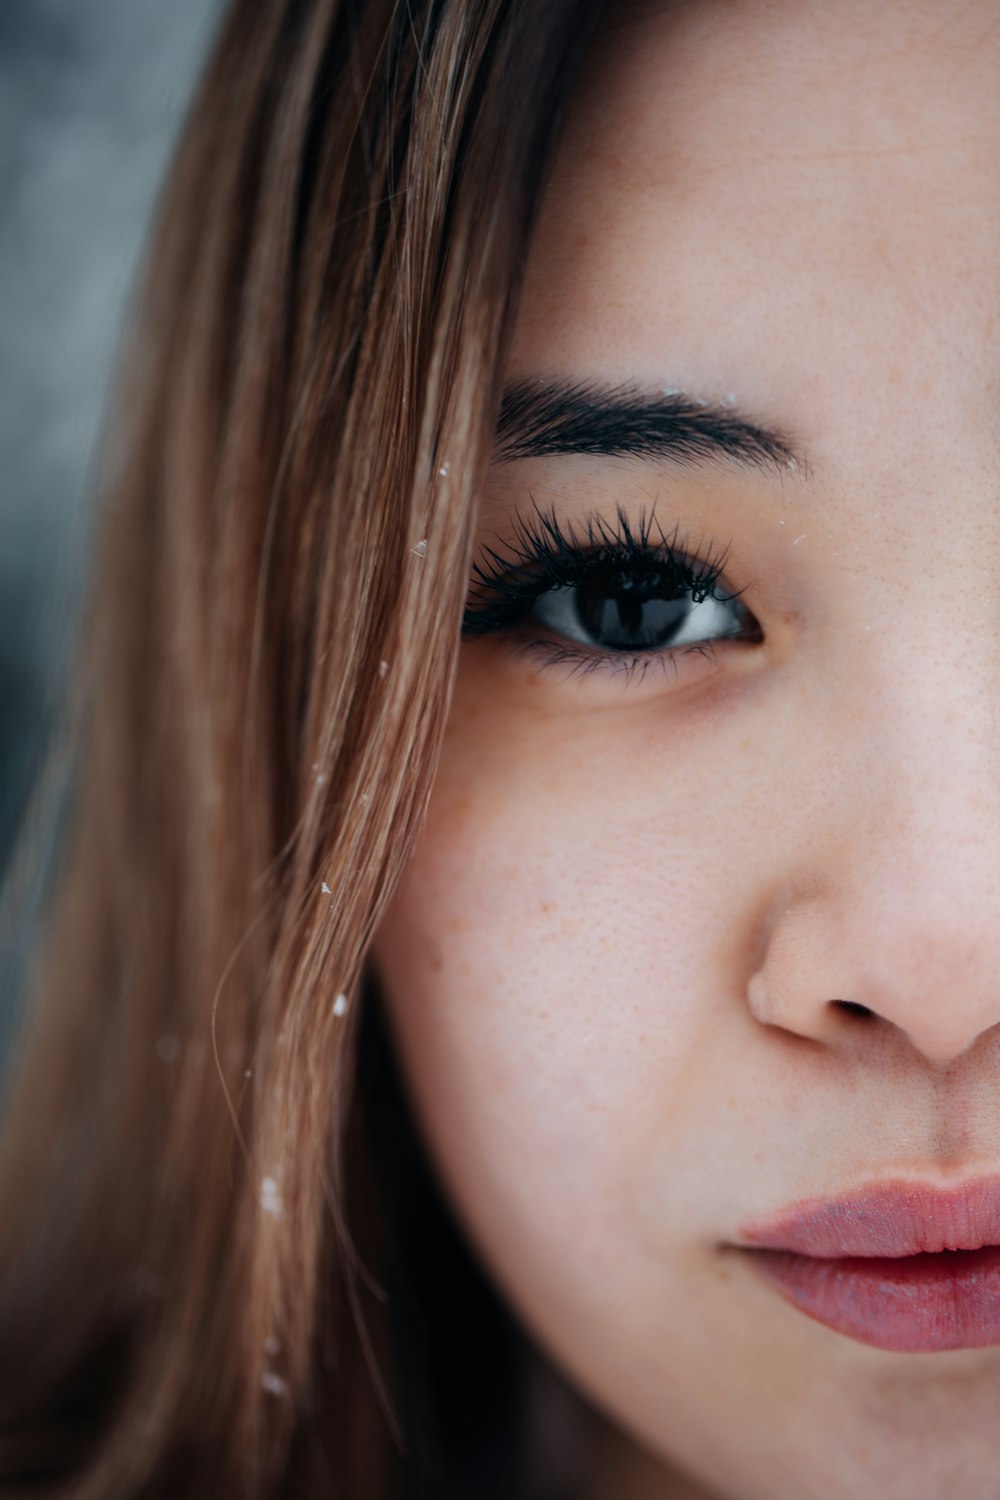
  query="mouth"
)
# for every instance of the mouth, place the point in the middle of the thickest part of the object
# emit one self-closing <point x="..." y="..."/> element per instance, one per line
<point x="899" y="1265"/>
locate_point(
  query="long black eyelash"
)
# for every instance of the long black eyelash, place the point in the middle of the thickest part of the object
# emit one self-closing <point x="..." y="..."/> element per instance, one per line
<point x="544" y="557"/>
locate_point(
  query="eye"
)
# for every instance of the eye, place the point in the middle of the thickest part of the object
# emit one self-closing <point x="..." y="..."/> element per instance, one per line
<point x="628" y="600"/>
<point x="615" y="609"/>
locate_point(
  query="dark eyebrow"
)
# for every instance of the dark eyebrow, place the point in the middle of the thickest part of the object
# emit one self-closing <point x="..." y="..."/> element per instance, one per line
<point x="544" y="418"/>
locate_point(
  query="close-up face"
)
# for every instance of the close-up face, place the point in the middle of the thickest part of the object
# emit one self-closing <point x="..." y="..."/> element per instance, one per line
<point x="694" y="936"/>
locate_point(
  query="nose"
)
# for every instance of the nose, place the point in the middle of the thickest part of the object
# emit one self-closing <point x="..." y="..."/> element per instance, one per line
<point x="895" y="904"/>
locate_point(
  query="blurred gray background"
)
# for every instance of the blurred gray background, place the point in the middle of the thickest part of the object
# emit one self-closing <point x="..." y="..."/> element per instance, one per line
<point x="92" y="94"/>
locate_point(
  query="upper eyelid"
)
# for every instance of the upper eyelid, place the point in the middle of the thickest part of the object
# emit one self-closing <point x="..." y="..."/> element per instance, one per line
<point x="591" y="530"/>
<point x="528" y="541"/>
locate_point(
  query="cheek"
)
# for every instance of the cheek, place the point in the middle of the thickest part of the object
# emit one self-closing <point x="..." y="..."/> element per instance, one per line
<point x="563" y="968"/>
<point x="558" y="967"/>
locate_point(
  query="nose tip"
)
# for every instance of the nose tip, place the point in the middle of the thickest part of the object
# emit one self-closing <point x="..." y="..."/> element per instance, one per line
<point x="835" y="968"/>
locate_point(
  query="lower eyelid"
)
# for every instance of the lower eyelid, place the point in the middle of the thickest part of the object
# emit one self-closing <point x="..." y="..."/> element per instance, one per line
<point x="625" y="664"/>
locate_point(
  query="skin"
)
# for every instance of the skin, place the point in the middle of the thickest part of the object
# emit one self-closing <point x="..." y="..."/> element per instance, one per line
<point x="611" y="968"/>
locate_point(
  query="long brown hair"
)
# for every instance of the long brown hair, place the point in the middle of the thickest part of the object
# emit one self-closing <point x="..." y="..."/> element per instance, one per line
<point x="224" y="1266"/>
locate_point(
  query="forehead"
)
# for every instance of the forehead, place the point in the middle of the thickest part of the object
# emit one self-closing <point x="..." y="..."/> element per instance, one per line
<point x="793" y="202"/>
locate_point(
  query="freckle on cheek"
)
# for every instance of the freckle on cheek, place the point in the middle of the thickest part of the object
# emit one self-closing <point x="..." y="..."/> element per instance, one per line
<point x="456" y="815"/>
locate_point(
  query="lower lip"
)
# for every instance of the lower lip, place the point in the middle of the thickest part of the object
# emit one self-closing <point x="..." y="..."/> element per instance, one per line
<point x="913" y="1304"/>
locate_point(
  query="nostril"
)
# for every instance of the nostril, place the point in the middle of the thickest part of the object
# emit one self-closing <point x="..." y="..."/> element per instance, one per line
<point x="854" y="1007"/>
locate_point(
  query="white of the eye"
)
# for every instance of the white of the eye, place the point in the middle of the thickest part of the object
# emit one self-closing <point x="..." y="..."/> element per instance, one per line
<point x="556" y="610"/>
<point x="712" y="617"/>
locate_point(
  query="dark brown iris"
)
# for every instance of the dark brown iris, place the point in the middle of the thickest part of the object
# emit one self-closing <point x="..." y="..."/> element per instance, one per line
<point x="624" y="613"/>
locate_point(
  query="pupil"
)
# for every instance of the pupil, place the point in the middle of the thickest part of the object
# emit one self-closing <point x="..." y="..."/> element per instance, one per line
<point x="626" y="613"/>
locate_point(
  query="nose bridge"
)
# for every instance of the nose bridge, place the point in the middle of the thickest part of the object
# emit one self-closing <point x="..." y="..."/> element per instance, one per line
<point x="930" y="749"/>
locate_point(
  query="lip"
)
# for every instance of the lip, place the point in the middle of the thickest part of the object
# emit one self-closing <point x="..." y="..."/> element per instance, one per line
<point x="901" y="1265"/>
<point x="887" y="1219"/>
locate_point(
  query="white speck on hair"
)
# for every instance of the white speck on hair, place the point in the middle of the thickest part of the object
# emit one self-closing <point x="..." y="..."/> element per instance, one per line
<point x="270" y="1198"/>
<point x="168" y="1048"/>
<point x="671" y="390"/>
<point x="364" y="798"/>
<point x="781" y="523"/>
<point x="383" y="667"/>
<point x="247" y="1072"/>
<point x="443" y="471"/>
<point x="729" y="400"/>
<point x="799" y="539"/>
<point x="273" y="1384"/>
<point x="340" y="1005"/>
<point x="320" y="777"/>
<point x="272" y="1345"/>
<point x="326" y="889"/>
<point x="793" y="463"/>
<point x="421" y="547"/>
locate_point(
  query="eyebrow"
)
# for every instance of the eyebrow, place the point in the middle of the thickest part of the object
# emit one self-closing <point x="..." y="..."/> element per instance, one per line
<point x="548" y="418"/>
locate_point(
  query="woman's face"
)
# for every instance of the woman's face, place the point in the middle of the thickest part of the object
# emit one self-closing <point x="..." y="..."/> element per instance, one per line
<point x="614" y="970"/>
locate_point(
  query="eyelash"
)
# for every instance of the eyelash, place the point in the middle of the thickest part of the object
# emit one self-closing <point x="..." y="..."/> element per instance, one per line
<point x="545" y="558"/>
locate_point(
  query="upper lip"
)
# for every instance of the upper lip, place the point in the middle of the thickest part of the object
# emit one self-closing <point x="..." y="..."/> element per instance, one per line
<point x="891" y="1219"/>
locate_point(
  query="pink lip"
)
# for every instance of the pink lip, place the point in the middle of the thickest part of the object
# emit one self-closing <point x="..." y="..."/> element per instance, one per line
<point x="898" y="1265"/>
<point x="886" y="1219"/>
